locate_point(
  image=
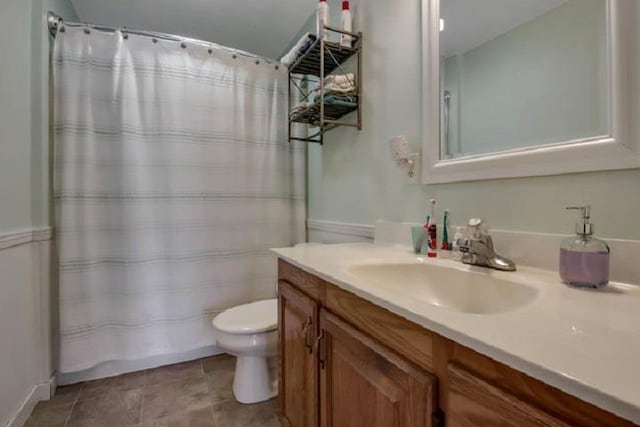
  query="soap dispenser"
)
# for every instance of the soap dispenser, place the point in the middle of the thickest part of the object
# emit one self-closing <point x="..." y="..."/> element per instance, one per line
<point x="584" y="260"/>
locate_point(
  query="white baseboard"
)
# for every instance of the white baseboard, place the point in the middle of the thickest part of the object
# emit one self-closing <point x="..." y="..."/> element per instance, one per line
<point x="53" y="385"/>
<point x="112" y="368"/>
<point x="38" y="392"/>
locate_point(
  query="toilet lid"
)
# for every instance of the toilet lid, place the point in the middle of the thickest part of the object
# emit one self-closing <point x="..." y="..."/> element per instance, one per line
<point x="259" y="316"/>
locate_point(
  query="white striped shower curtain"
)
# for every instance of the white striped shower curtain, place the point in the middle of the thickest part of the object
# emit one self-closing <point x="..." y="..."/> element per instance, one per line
<point x="172" y="178"/>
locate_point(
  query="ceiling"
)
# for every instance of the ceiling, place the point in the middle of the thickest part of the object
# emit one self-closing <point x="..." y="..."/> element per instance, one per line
<point x="470" y="23"/>
<point x="265" y="27"/>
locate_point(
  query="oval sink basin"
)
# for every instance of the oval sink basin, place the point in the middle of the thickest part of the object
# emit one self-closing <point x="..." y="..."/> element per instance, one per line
<point x="462" y="291"/>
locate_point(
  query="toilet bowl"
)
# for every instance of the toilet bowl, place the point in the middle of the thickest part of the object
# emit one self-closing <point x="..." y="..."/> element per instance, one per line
<point x="250" y="332"/>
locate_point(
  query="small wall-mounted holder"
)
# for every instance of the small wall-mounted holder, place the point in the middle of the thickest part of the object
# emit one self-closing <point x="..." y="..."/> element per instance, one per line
<point x="401" y="154"/>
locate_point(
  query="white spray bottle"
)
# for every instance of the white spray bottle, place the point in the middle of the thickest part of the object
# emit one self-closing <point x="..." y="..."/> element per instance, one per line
<point x="346" y="24"/>
<point x="322" y="19"/>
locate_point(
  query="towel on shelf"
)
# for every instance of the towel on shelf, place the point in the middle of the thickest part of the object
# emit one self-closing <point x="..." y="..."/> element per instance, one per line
<point x="298" y="49"/>
<point x="342" y="100"/>
<point x="330" y="97"/>
<point x="340" y="79"/>
<point x="342" y="83"/>
<point x="333" y="87"/>
<point x="295" y="111"/>
<point x="338" y="90"/>
<point x="339" y="99"/>
<point x="334" y="90"/>
<point x="346" y="88"/>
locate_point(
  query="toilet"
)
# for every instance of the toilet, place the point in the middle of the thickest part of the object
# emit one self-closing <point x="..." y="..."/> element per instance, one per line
<point x="250" y="332"/>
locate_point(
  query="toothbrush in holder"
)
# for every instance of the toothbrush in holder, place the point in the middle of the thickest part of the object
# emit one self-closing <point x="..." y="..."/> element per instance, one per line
<point x="432" y="231"/>
<point x="446" y="244"/>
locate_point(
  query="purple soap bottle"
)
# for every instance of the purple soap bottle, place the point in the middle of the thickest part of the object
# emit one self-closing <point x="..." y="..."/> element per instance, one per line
<point x="584" y="260"/>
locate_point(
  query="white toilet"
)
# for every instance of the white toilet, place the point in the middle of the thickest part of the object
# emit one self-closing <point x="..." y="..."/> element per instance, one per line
<point x="250" y="332"/>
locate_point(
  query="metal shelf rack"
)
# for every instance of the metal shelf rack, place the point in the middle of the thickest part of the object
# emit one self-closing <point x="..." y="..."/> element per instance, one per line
<point x="321" y="59"/>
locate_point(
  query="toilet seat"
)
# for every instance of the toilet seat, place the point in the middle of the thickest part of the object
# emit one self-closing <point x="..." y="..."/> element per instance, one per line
<point x="252" y="318"/>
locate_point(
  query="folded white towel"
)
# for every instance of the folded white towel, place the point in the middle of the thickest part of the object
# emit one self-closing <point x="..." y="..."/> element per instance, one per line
<point x="343" y="88"/>
<point x="340" y="88"/>
<point x="340" y="79"/>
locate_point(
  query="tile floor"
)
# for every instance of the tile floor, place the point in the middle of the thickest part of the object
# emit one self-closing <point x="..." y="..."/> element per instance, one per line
<point x="190" y="394"/>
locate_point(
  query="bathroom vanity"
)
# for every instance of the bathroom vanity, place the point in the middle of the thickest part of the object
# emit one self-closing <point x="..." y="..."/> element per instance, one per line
<point x="359" y="348"/>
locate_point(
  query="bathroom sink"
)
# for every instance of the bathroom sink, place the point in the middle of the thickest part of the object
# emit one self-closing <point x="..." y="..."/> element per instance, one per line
<point x="476" y="292"/>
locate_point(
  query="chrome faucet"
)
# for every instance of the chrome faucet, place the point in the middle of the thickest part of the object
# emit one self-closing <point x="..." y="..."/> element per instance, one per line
<point x="477" y="248"/>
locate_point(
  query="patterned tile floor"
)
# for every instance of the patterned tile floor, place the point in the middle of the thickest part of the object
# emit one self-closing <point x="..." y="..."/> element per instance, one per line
<point x="190" y="394"/>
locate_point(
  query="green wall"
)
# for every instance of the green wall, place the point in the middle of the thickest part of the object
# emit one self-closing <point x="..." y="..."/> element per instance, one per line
<point x="24" y="112"/>
<point x="352" y="179"/>
<point x="64" y="8"/>
<point x="554" y="62"/>
<point x="15" y="115"/>
<point x="42" y="143"/>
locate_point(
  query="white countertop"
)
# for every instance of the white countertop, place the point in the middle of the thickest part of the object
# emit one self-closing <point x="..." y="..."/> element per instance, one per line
<point x="586" y="343"/>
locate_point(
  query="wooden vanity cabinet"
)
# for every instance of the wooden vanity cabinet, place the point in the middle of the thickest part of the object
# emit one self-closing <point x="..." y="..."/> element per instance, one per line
<point x="345" y="361"/>
<point x="297" y="327"/>
<point x="333" y="375"/>
<point x="362" y="383"/>
<point x="474" y="402"/>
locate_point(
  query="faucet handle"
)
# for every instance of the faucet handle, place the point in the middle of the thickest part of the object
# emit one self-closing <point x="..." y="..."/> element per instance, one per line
<point x="477" y="228"/>
<point x="463" y="245"/>
<point x="474" y="222"/>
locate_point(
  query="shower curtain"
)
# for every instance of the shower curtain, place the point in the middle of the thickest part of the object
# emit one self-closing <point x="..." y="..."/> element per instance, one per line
<point x="172" y="178"/>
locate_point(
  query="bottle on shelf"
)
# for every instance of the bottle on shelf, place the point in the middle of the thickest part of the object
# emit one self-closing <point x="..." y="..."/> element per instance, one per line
<point x="322" y="19"/>
<point x="346" y="24"/>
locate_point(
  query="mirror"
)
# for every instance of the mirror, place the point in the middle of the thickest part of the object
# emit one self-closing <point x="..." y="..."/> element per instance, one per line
<point x="528" y="87"/>
<point x="517" y="74"/>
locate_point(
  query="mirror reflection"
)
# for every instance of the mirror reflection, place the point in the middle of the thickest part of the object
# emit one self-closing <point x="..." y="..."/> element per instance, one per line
<point x="518" y="74"/>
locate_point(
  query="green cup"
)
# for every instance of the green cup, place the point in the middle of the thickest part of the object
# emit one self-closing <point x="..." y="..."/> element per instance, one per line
<point x="419" y="239"/>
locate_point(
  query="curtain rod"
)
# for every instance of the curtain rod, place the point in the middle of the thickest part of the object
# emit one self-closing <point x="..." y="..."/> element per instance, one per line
<point x="56" y="23"/>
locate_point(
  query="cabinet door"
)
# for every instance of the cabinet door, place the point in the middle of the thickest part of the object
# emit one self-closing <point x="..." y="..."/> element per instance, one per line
<point x="363" y="384"/>
<point x="474" y="402"/>
<point x="298" y="387"/>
